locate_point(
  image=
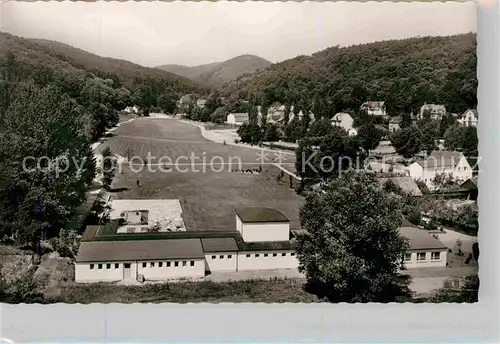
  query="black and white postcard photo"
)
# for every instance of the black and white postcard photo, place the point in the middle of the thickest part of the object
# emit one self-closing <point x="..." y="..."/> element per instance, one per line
<point x="241" y="152"/>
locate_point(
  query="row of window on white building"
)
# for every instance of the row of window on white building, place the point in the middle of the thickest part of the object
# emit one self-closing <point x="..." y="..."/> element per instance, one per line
<point x="145" y="265"/>
<point x="255" y="255"/>
<point x="421" y="256"/>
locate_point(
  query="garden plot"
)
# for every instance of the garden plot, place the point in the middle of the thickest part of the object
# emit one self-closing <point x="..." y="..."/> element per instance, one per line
<point x="143" y="214"/>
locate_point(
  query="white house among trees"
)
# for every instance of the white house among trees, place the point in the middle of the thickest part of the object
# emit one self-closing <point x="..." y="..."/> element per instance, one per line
<point x="468" y="119"/>
<point x="343" y="120"/>
<point x="435" y="111"/>
<point x="237" y="118"/>
<point x="374" y="108"/>
<point x="453" y="164"/>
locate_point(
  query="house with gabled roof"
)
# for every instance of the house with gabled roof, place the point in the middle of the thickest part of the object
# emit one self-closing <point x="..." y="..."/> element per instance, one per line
<point x="374" y="108"/>
<point x="237" y="118"/>
<point x="449" y="163"/>
<point x="468" y="119"/>
<point x="344" y="120"/>
<point x="435" y="111"/>
<point x="471" y="185"/>
<point x="395" y="124"/>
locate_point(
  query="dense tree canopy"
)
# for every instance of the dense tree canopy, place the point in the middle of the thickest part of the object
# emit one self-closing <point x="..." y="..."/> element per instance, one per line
<point x="403" y="73"/>
<point x="460" y="138"/>
<point x="408" y="141"/>
<point x="327" y="156"/>
<point x="369" y="136"/>
<point x="352" y="250"/>
<point x="49" y="62"/>
<point x="42" y="125"/>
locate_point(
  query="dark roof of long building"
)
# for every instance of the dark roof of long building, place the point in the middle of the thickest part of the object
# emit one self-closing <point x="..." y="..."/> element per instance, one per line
<point x="110" y="251"/>
<point x="221" y="239"/>
<point x="219" y="245"/>
<point x="260" y="214"/>
<point x="421" y="240"/>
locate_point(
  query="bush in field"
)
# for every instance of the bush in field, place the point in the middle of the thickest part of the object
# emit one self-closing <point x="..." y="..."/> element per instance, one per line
<point x="66" y="244"/>
<point x="23" y="289"/>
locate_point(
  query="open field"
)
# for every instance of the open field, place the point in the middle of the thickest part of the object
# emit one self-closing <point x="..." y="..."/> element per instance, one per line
<point x="177" y="142"/>
<point x="209" y="190"/>
<point x="209" y="199"/>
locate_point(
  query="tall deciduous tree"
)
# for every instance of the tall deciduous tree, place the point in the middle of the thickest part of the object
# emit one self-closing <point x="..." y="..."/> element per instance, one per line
<point x="351" y="250"/>
<point x="108" y="171"/>
<point x="41" y="123"/>
<point x="271" y="134"/>
<point x="407" y="141"/>
<point x="369" y="136"/>
<point x="459" y="138"/>
<point x="320" y="128"/>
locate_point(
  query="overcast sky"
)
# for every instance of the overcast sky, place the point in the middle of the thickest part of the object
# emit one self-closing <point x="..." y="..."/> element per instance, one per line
<point x="189" y="33"/>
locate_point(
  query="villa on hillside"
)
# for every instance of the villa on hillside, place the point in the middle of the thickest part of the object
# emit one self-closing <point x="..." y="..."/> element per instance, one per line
<point x="275" y="114"/>
<point x="435" y="111"/>
<point x="374" y="108"/>
<point x="441" y="162"/>
<point x="343" y="120"/>
<point x="468" y="119"/>
<point x="395" y="124"/>
<point x="237" y="118"/>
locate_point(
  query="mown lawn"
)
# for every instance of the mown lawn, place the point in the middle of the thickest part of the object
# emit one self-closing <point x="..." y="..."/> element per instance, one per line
<point x="280" y="290"/>
<point x="209" y="199"/>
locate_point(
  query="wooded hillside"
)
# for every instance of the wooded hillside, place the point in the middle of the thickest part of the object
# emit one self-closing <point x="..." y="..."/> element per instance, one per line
<point x="403" y="73"/>
<point x="216" y="74"/>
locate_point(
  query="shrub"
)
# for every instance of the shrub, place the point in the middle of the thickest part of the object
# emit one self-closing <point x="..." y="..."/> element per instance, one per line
<point x="430" y="225"/>
<point x="414" y="216"/>
<point x="66" y="244"/>
<point x="24" y="289"/>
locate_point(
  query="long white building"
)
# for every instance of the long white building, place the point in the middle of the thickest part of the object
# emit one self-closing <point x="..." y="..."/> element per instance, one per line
<point x="261" y="241"/>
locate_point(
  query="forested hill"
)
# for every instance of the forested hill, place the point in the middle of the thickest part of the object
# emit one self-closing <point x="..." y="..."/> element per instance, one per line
<point x="216" y="74"/>
<point x="36" y="57"/>
<point x="55" y="101"/>
<point x="403" y="73"/>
